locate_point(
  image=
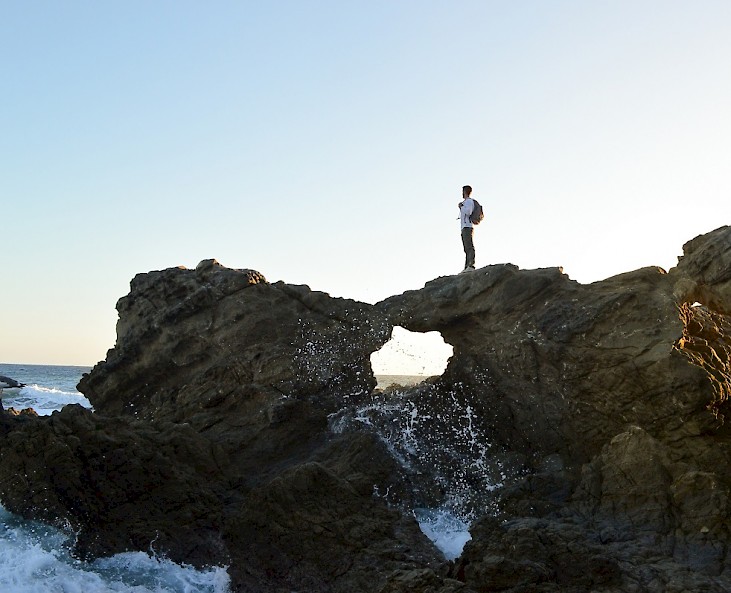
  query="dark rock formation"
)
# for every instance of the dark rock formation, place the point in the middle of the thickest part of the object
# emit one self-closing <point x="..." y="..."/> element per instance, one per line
<point x="210" y="440"/>
<point x="583" y="428"/>
<point x="615" y="396"/>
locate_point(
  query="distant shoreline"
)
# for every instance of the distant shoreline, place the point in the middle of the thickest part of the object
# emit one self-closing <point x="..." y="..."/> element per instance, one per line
<point x="405" y="380"/>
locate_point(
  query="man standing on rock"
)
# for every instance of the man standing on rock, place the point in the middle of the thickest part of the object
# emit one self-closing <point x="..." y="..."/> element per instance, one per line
<point x="465" y="210"/>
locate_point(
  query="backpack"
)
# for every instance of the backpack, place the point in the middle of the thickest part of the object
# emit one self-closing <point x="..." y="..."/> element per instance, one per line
<point x="477" y="213"/>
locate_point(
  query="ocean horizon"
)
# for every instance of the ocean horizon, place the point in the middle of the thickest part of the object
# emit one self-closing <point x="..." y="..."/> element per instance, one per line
<point x="67" y="377"/>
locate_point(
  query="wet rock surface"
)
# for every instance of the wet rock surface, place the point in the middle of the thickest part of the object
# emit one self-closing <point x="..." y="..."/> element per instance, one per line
<point x="582" y="429"/>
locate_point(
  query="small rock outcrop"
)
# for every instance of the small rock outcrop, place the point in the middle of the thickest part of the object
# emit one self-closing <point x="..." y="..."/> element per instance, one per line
<point x="582" y="429"/>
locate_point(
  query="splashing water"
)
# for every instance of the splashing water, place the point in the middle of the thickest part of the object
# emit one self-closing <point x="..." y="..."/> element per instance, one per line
<point x="44" y="400"/>
<point x="449" y="533"/>
<point x="35" y="558"/>
<point x="437" y="436"/>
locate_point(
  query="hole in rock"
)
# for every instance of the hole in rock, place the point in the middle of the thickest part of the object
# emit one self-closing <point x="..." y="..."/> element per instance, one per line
<point x="409" y="357"/>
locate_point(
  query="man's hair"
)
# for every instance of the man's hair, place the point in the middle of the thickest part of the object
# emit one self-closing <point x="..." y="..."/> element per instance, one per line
<point x="467" y="189"/>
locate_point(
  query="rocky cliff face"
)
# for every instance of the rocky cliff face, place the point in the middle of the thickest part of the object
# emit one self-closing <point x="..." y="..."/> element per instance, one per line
<point x="582" y="428"/>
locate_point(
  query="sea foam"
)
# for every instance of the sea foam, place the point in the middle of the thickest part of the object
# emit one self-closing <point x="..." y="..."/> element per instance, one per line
<point x="44" y="400"/>
<point x="448" y="532"/>
<point x="35" y="558"/>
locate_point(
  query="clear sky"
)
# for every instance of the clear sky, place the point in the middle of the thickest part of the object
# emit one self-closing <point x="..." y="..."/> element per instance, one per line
<point x="326" y="143"/>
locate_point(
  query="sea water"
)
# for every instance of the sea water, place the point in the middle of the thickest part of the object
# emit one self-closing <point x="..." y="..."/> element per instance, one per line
<point x="47" y="388"/>
<point x="36" y="558"/>
<point x="442" y="526"/>
<point x="449" y="445"/>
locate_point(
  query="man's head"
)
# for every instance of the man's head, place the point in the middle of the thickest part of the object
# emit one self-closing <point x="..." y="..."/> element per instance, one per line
<point x="466" y="191"/>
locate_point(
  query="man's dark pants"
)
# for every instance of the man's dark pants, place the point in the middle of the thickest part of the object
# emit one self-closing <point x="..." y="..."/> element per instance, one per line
<point x="469" y="247"/>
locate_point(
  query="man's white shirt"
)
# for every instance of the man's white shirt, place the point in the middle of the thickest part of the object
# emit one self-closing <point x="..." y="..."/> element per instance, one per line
<point x="464" y="213"/>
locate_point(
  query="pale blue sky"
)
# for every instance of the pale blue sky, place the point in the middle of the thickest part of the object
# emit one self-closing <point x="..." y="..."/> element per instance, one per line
<point x="325" y="143"/>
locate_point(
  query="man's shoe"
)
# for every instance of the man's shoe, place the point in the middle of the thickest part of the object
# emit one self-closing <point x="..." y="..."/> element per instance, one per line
<point x="468" y="269"/>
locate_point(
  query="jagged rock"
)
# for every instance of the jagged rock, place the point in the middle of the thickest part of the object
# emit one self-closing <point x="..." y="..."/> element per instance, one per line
<point x="703" y="273"/>
<point x="119" y="485"/>
<point x="24" y="412"/>
<point x="211" y="410"/>
<point x="628" y="378"/>
<point x="635" y="488"/>
<point x="584" y="427"/>
<point x="422" y="581"/>
<point x="560" y="367"/>
<point x="309" y="529"/>
<point x="535" y="555"/>
<point x="191" y="340"/>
